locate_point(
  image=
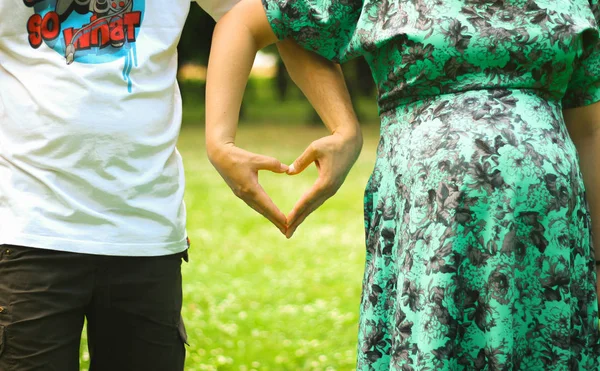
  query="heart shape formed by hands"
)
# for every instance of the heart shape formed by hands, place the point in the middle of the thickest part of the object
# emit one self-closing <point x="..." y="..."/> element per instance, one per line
<point x="333" y="155"/>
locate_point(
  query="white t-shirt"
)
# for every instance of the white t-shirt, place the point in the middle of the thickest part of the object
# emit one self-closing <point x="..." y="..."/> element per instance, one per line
<point x="90" y="113"/>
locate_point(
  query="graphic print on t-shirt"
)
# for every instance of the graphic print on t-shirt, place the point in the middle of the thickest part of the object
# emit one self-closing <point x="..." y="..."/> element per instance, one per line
<point x="88" y="31"/>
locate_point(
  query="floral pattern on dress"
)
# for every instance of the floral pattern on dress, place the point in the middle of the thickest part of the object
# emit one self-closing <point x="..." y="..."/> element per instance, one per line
<point x="477" y="227"/>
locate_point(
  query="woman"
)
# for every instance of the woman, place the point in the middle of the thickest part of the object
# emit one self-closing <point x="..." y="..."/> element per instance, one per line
<point x="478" y="233"/>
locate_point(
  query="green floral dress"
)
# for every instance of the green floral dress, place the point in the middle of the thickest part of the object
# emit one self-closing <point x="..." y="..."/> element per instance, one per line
<point x="478" y="233"/>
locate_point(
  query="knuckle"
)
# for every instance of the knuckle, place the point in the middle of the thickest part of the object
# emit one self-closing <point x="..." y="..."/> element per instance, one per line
<point x="321" y="187"/>
<point x="332" y="192"/>
<point x="327" y="184"/>
<point x="329" y="188"/>
<point x="315" y="148"/>
<point x="257" y="159"/>
<point x="244" y="191"/>
<point x="237" y="192"/>
<point x="328" y="192"/>
<point x="253" y="163"/>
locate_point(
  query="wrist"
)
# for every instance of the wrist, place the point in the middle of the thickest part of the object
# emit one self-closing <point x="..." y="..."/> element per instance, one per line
<point x="217" y="150"/>
<point x="350" y="133"/>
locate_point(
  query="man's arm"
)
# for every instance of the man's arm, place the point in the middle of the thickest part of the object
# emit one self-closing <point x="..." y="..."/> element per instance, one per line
<point x="238" y="36"/>
<point x="584" y="127"/>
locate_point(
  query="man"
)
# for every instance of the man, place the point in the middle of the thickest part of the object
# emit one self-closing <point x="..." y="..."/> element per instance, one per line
<point x="92" y="220"/>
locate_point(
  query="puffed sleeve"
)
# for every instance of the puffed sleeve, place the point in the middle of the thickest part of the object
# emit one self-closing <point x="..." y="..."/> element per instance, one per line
<point x="327" y="27"/>
<point x="584" y="86"/>
<point x="217" y="8"/>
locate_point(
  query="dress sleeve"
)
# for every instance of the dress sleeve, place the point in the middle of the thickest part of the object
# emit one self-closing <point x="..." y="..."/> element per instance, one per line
<point x="327" y="27"/>
<point x="217" y="8"/>
<point x="584" y="86"/>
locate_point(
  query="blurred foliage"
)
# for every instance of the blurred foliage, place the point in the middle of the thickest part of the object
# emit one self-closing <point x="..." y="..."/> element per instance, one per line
<point x="195" y="41"/>
<point x="261" y="105"/>
<point x="253" y="300"/>
<point x="194" y="47"/>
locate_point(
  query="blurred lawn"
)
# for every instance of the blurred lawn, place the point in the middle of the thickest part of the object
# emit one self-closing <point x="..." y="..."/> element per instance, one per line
<point x="262" y="105"/>
<point x="252" y="299"/>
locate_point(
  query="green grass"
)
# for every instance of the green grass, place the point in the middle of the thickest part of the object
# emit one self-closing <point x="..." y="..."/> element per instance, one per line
<point x="254" y="300"/>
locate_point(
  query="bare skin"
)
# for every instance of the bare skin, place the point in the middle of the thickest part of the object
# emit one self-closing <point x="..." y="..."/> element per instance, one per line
<point x="335" y="155"/>
<point x="584" y="127"/>
<point x="238" y="36"/>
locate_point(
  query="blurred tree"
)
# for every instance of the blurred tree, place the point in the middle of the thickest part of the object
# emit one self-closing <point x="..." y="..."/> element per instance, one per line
<point x="282" y="80"/>
<point x="194" y="47"/>
<point x="364" y="78"/>
<point x="195" y="41"/>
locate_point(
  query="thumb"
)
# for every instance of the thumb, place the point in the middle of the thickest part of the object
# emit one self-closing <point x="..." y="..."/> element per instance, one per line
<point x="269" y="163"/>
<point x="304" y="160"/>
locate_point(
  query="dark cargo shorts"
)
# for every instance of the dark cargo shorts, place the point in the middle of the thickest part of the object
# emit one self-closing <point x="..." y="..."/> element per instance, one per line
<point x="132" y="306"/>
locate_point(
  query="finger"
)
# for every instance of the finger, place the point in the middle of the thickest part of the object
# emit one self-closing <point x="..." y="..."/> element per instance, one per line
<point x="276" y="221"/>
<point x="299" y="219"/>
<point x="306" y="158"/>
<point x="308" y="203"/>
<point x="269" y="163"/>
<point x="263" y="204"/>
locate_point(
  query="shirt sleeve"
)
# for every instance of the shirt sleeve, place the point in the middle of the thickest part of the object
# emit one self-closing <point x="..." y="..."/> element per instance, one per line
<point x="584" y="86"/>
<point x="217" y="8"/>
<point x="327" y="27"/>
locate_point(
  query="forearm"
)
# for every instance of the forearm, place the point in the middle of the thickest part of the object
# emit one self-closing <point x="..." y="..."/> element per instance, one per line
<point x="322" y="82"/>
<point x="237" y="38"/>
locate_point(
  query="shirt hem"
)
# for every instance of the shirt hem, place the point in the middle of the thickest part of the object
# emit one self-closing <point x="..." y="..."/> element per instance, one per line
<point x="95" y="247"/>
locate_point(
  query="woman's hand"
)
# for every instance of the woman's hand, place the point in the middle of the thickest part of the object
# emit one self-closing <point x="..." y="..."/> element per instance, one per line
<point x="236" y="39"/>
<point x="239" y="169"/>
<point x="334" y="156"/>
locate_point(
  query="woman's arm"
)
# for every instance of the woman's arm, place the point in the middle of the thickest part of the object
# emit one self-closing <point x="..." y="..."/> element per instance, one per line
<point x="323" y="84"/>
<point x="584" y="127"/>
<point x="238" y="36"/>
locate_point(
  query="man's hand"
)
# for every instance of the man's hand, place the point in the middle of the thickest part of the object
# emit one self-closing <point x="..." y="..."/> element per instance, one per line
<point x="334" y="156"/>
<point x="237" y="37"/>
<point x="239" y="169"/>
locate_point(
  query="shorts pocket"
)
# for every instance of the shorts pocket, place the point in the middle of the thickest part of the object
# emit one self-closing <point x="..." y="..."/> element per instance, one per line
<point x="182" y="331"/>
<point x="4" y="251"/>
<point x="185" y="256"/>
